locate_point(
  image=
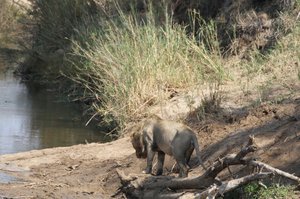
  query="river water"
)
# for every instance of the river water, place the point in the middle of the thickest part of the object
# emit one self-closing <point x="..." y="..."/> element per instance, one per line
<point x="32" y="118"/>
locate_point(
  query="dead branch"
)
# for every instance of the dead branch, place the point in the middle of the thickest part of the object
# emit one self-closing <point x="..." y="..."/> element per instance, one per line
<point x="232" y="184"/>
<point x="215" y="190"/>
<point x="218" y="190"/>
<point x="274" y="170"/>
<point x="124" y="178"/>
<point x="129" y="185"/>
<point x="208" y="185"/>
<point x="231" y="159"/>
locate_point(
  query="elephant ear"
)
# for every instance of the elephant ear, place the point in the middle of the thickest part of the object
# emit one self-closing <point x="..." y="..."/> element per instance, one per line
<point x="136" y="140"/>
<point x="135" y="131"/>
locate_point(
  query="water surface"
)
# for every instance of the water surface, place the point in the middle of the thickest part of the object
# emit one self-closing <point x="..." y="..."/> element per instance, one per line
<point x="33" y="118"/>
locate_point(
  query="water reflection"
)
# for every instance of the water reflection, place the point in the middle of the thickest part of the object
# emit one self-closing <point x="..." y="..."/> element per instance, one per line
<point x="33" y="118"/>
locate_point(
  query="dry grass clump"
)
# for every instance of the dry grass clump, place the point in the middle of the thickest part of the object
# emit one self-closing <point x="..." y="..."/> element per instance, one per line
<point x="210" y="104"/>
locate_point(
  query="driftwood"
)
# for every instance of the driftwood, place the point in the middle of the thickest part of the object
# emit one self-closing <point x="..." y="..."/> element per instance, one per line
<point x="205" y="186"/>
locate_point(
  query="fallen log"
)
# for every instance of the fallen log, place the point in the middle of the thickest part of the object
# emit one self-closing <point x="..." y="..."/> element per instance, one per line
<point x="206" y="185"/>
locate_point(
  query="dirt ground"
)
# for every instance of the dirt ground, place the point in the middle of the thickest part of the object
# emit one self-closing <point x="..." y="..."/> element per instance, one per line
<point x="89" y="171"/>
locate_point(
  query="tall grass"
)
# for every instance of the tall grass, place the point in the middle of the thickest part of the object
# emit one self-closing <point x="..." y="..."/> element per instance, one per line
<point x="133" y="64"/>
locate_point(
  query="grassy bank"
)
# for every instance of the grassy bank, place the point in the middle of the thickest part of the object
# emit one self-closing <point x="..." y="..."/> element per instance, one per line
<point x="119" y="60"/>
<point x="134" y="66"/>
